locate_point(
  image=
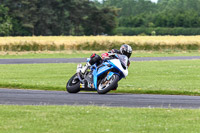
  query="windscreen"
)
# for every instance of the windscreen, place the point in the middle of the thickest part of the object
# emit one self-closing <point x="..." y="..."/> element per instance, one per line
<point x="124" y="60"/>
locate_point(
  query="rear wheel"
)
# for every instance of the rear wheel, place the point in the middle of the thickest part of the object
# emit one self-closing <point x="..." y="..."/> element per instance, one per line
<point x="73" y="85"/>
<point x="107" y="85"/>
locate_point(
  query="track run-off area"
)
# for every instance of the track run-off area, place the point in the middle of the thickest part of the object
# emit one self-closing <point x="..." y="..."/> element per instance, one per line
<point x="39" y="97"/>
<point x="79" y="60"/>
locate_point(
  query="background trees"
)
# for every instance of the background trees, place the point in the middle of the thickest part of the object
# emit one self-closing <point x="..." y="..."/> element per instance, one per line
<point x="57" y="17"/>
<point x="167" y="17"/>
<point x="5" y="21"/>
<point x="166" y="13"/>
<point x="91" y="17"/>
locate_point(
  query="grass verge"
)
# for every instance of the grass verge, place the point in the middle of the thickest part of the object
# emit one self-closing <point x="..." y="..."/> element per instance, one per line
<point x="86" y="54"/>
<point x="90" y="119"/>
<point x="154" y="77"/>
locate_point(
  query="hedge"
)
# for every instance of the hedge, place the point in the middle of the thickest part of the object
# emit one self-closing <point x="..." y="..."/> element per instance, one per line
<point x="98" y="46"/>
<point x="157" y="31"/>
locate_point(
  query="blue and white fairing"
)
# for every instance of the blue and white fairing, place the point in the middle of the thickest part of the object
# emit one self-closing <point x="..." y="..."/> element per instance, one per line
<point x="119" y="65"/>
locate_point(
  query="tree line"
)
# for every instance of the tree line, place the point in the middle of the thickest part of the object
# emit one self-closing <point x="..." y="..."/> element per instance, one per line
<point x="166" y="17"/>
<point x="91" y="17"/>
<point x="165" y="13"/>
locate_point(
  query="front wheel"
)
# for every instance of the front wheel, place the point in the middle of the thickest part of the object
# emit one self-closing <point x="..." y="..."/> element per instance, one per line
<point x="73" y="85"/>
<point x="107" y="85"/>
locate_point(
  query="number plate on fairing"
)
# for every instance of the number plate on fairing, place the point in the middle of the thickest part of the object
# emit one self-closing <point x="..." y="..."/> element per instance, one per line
<point x="103" y="69"/>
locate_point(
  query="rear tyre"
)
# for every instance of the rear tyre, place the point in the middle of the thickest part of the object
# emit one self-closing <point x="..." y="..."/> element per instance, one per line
<point x="106" y="85"/>
<point x="73" y="85"/>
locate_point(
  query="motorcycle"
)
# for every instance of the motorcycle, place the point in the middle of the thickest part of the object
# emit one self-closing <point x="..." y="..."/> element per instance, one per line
<point x="102" y="78"/>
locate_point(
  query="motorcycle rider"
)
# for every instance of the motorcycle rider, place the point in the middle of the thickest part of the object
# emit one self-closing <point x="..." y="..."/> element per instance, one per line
<point x="125" y="49"/>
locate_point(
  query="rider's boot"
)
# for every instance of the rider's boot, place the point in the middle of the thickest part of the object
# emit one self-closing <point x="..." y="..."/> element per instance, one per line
<point x="79" y="67"/>
<point x="82" y="70"/>
<point x="85" y="68"/>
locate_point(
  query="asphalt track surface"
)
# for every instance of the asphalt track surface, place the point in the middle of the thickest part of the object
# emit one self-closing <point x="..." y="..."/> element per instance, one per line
<point x="78" y="60"/>
<point x="37" y="97"/>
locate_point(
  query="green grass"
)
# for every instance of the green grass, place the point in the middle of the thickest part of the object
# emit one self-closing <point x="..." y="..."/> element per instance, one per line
<point x="154" y="77"/>
<point x="45" y="55"/>
<point x="86" y="54"/>
<point x="90" y="119"/>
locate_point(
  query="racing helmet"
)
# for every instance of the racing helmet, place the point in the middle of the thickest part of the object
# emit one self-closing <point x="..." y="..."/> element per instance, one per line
<point x="125" y="49"/>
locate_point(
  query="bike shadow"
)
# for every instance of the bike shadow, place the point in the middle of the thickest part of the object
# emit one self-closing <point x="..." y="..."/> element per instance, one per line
<point x="95" y="93"/>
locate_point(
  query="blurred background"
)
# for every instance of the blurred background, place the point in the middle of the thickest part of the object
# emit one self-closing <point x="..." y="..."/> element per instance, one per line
<point x="99" y="17"/>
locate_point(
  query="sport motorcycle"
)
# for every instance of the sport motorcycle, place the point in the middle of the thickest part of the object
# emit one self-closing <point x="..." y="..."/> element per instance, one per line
<point x="102" y="78"/>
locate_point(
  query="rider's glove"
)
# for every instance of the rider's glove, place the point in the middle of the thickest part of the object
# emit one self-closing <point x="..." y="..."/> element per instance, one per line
<point x="110" y="53"/>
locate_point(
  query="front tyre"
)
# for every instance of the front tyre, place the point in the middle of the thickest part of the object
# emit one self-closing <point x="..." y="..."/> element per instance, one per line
<point x="107" y="85"/>
<point x="73" y="85"/>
